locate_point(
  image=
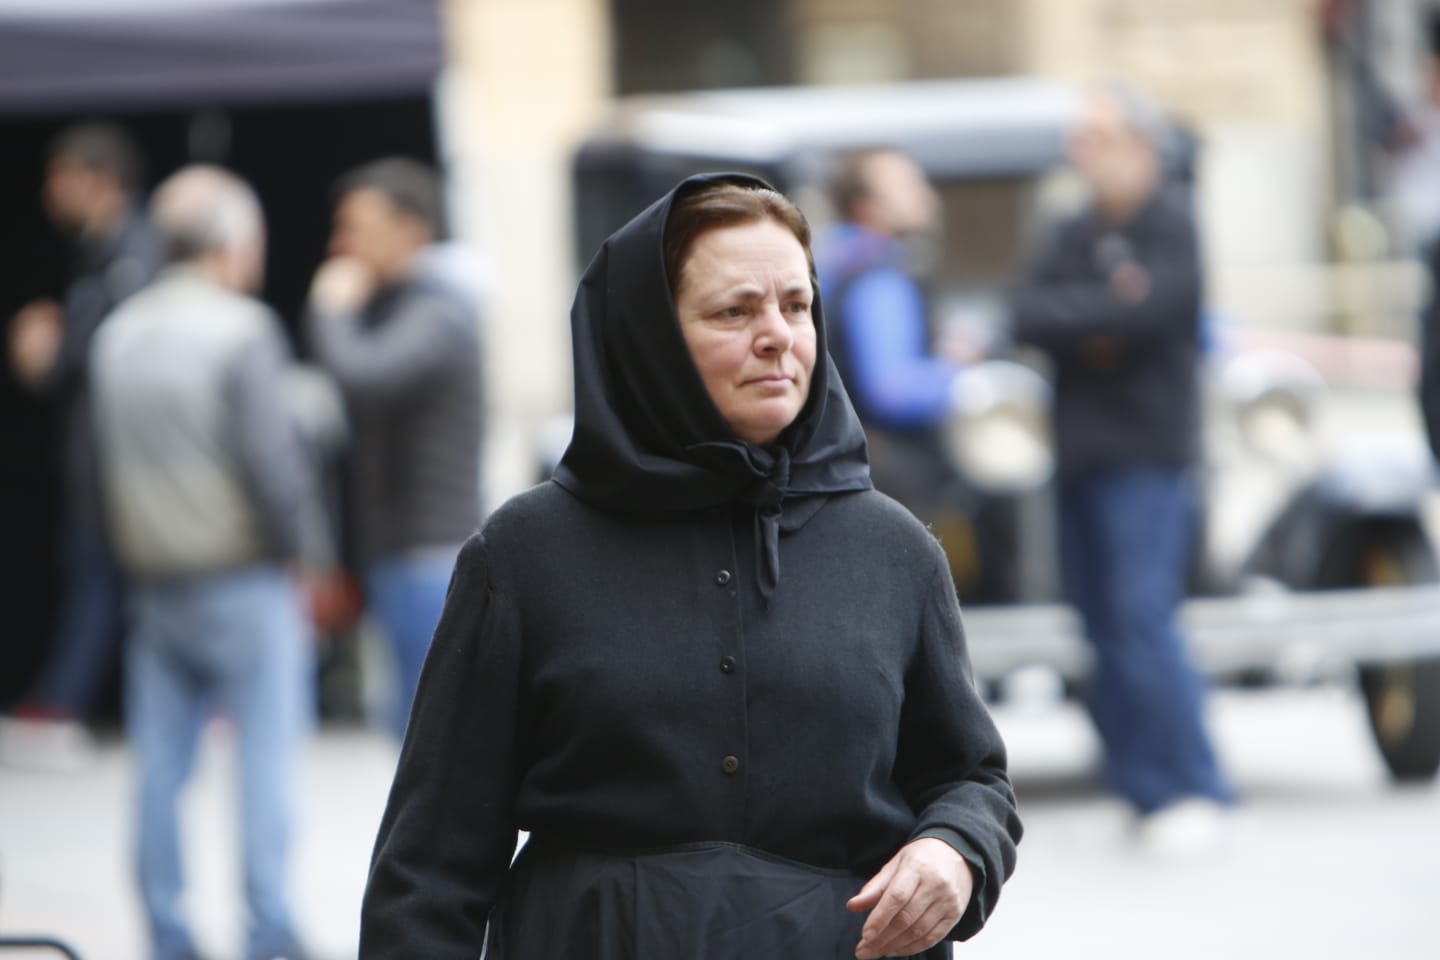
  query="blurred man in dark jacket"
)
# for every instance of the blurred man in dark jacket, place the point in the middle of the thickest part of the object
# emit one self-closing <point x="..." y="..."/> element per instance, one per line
<point x="402" y="340"/>
<point x="1115" y="302"/>
<point x="91" y="192"/>
<point x="1416" y="201"/>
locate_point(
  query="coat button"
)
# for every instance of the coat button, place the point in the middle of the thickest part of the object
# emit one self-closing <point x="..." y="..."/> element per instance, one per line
<point x="730" y="764"/>
<point x="723" y="577"/>
<point x="727" y="664"/>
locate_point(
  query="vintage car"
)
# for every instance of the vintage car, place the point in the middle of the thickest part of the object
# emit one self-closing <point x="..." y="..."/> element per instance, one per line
<point x="1317" y="557"/>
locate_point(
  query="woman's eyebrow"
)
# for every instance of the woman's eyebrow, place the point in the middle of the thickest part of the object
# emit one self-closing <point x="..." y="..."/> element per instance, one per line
<point x="755" y="291"/>
<point x="743" y="291"/>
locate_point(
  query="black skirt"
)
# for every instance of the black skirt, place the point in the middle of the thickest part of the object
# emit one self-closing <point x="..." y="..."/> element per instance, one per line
<point x="708" y="901"/>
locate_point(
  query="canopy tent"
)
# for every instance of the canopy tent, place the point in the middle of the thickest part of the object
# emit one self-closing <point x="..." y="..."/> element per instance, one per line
<point x="60" y="56"/>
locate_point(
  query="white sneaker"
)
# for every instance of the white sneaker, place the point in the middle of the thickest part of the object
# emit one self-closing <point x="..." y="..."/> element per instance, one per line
<point x="52" y="745"/>
<point x="1185" y="828"/>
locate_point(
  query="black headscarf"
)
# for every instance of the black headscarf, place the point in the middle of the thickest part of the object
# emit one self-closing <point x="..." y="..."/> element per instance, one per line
<point x="648" y="438"/>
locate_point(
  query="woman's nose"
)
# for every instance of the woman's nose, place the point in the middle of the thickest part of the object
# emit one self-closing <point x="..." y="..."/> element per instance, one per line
<point x="774" y="334"/>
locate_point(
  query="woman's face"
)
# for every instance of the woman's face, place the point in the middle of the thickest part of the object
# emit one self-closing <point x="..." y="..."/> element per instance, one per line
<point x="743" y="298"/>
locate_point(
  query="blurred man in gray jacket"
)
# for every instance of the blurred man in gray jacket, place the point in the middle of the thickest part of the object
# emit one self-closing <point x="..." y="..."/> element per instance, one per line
<point x="401" y="338"/>
<point x="211" y="505"/>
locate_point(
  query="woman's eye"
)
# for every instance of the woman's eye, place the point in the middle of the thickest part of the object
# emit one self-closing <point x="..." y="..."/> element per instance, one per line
<point x="733" y="312"/>
<point x="798" y="306"/>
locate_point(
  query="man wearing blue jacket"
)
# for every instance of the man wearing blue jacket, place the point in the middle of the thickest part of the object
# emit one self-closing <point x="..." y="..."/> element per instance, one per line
<point x="901" y="389"/>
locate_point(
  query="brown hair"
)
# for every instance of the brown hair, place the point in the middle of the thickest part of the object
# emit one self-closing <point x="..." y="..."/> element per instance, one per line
<point x="102" y="148"/>
<point x="412" y="188"/>
<point x="850" y="180"/>
<point x="726" y="204"/>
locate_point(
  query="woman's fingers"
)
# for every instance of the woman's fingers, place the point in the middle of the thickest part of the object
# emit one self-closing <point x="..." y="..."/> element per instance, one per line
<point x="924" y="933"/>
<point x="918" y="897"/>
<point x="869" y="894"/>
<point x="897" y="910"/>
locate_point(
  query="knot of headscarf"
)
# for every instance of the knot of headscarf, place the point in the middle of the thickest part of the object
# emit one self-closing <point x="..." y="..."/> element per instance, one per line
<point x="769" y="470"/>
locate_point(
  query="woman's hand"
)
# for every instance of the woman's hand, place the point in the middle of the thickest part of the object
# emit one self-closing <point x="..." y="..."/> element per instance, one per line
<point x="914" y="900"/>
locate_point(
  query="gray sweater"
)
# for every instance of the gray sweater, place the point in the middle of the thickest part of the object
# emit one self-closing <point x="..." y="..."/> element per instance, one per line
<point x="409" y="368"/>
<point x="201" y="466"/>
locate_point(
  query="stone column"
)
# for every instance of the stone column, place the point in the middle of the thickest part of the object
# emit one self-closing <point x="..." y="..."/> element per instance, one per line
<point x="526" y="80"/>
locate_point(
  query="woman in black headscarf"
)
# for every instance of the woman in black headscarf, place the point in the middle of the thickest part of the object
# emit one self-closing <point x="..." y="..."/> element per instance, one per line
<point x="719" y="679"/>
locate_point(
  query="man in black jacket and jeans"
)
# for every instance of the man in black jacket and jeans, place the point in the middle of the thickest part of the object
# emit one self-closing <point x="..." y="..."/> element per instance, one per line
<point x="93" y="180"/>
<point x="1115" y="303"/>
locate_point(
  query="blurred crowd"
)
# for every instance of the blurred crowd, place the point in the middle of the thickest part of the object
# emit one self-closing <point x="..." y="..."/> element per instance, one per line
<point x="197" y="454"/>
<point x="223" y="501"/>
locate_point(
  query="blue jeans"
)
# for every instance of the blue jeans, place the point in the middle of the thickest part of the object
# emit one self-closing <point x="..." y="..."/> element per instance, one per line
<point x="1125" y="539"/>
<point x="88" y="630"/>
<point x="407" y="593"/>
<point x="235" y="642"/>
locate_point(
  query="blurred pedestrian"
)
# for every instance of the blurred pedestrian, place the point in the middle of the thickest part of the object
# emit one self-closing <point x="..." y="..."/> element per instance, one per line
<point x="721" y="681"/>
<point x="212" y="505"/>
<point x="91" y="192"/>
<point x="402" y="340"/>
<point x="1115" y="303"/>
<point x="1415" y="198"/>
<point x="903" y="391"/>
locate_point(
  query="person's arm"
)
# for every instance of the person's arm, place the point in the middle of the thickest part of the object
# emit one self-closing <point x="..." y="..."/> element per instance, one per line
<point x="448" y="833"/>
<point x="902" y="384"/>
<point x="1151" y="295"/>
<point x="277" y="469"/>
<point x="950" y="766"/>
<point x="396" y="357"/>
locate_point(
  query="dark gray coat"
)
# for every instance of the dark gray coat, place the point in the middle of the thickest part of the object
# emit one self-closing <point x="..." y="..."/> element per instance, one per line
<point x="103" y="273"/>
<point x="606" y="682"/>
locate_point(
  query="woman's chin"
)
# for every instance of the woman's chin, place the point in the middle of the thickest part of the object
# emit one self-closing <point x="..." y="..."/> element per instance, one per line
<point x="766" y="425"/>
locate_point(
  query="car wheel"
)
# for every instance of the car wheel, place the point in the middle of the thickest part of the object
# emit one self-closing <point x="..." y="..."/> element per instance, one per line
<point x="1403" y="698"/>
<point x="1404" y="707"/>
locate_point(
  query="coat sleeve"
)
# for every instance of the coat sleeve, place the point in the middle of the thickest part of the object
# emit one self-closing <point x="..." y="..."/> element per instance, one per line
<point x="395" y="358"/>
<point x="448" y="833"/>
<point x="269" y="453"/>
<point x="951" y="762"/>
<point x="902" y="384"/>
<point x="1429" y="387"/>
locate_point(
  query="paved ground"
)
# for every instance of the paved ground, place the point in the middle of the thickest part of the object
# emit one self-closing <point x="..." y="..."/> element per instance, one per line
<point x="64" y="848"/>
<point x="1324" y="860"/>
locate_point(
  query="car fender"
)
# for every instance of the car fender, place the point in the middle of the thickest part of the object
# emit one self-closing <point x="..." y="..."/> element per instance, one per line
<point x="1377" y="488"/>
